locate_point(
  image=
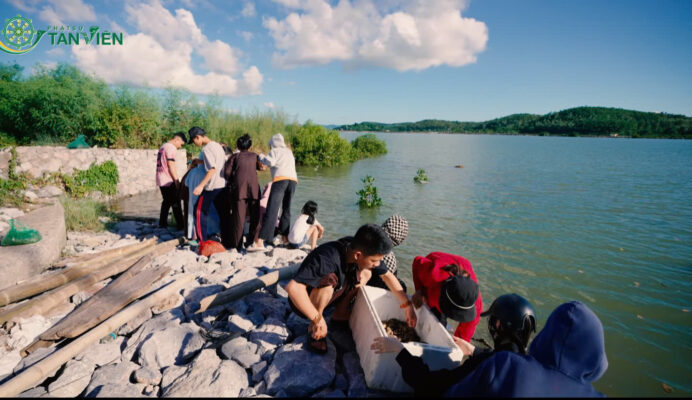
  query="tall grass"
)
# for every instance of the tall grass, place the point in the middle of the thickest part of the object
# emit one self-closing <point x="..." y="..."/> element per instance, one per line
<point x="83" y="214"/>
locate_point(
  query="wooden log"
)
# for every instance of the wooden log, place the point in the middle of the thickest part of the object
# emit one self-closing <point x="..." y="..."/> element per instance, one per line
<point x="104" y="304"/>
<point x="49" y="299"/>
<point x="247" y="287"/>
<point x="35" y="374"/>
<point x="54" y="279"/>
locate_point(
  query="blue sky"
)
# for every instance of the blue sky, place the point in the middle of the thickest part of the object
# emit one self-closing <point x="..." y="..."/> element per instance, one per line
<point x="338" y="62"/>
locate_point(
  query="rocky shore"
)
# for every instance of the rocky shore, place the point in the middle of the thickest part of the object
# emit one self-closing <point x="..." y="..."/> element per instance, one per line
<point x="252" y="347"/>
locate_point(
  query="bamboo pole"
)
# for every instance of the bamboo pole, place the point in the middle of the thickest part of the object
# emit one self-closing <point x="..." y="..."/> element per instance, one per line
<point x="50" y="299"/>
<point x="247" y="287"/>
<point x="46" y="282"/>
<point x="35" y="374"/>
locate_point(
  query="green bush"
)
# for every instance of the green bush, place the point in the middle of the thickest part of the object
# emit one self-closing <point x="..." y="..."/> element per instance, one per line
<point x="366" y="146"/>
<point x="11" y="189"/>
<point x="368" y="197"/>
<point x="314" y="145"/>
<point x="102" y="177"/>
<point x="421" y="176"/>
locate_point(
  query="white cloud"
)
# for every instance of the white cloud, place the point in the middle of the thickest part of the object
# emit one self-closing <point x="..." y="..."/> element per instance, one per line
<point x="25" y="5"/>
<point x="247" y="36"/>
<point x="248" y="10"/>
<point x="56" y="52"/>
<point x="269" y="104"/>
<point x="59" y="11"/>
<point x="164" y="52"/>
<point x="415" y="35"/>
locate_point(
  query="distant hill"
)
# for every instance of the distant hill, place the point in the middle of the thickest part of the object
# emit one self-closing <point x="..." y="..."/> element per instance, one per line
<point x="331" y="126"/>
<point x="579" y="121"/>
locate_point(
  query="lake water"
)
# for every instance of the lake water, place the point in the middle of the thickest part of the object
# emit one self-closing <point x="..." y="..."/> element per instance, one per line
<point x="604" y="221"/>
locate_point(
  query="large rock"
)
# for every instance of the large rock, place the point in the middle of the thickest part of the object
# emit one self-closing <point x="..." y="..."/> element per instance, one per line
<point x="209" y="376"/>
<point x="21" y="262"/>
<point x="267" y="305"/>
<point x="147" y="376"/>
<point x="316" y="371"/>
<point x="49" y="191"/>
<point x="244" y="275"/>
<point x="270" y="335"/>
<point x="356" y="377"/>
<point x="102" y="354"/>
<point x="74" y="378"/>
<point x="241" y="351"/>
<point x="171" y="318"/>
<point x="136" y="322"/>
<point x="173" y="345"/>
<point x="297" y="325"/>
<point x="240" y="323"/>
<point x="117" y="375"/>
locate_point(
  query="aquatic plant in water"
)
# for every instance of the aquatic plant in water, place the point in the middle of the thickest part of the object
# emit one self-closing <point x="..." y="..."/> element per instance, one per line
<point x="368" y="194"/>
<point x="421" y="176"/>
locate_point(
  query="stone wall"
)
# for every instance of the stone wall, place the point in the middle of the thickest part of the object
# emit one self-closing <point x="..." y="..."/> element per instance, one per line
<point x="137" y="168"/>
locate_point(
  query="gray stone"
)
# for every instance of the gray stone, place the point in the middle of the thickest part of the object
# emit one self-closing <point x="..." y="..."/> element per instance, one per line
<point x="151" y="391"/>
<point x="258" y="371"/>
<point x="117" y="375"/>
<point x="30" y="196"/>
<point x="226" y="259"/>
<point x="7" y="213"/>
<point x="21" y="262"/>
<point x="260" y="388"/>
<point x="210" y="376"/>
<point x="270" y="335"/>
<point x="117" y="391"/>
<point x="237" y="307"/>
<point x="135" y="322"/>
<point x="297" y="325"/>
<point x="341" y="382"/>
<point x="336" y="393"/>
<point x="102" y="354"/>
<point x="148" y="376"/>
<point x="240" y="323"/>
<point x="74" y="379"/>
<point x="49" y="191"/>
<point x="241" y="351"/>
<point x="267" y="305"/>
<point x="195" y="294"/>
<point x="173" y="345"/>
<point x="318" y="373"/>
<point x="38" y="391"/>
<point x="356" y="377"/>
<point x="4" y="228"/>
<point x="170" y="374"/>
<point x="247" y="392"/>
<point x="256" y="318"/>
<point x="286" y="256"/>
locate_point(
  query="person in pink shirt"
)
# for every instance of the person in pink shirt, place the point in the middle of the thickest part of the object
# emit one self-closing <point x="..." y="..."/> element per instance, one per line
<point x="168" y="181"/>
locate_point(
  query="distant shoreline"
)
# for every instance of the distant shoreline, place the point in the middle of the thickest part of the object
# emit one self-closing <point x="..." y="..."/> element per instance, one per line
<point x="509" y="134"/>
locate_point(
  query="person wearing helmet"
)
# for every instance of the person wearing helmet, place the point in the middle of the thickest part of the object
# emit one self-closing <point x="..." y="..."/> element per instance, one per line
<point x="447" y="283"/>
<point x="511" y="322"/>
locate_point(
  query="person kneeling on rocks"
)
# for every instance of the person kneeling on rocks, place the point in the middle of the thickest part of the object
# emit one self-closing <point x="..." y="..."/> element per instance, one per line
<point x="335" y="270"/>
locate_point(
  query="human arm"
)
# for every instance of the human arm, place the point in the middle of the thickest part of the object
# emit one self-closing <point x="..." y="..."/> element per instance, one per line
<point x="198" y="190"/>
<point x="269" y="159"/>
<point x="172" y="170"/>
<point x="299" y="296"/>
<point x="395" y="287"/>
<point x="320" y="230"/>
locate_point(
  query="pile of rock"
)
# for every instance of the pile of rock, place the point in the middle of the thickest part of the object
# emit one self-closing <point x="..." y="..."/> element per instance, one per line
<point x="254" y="346"/>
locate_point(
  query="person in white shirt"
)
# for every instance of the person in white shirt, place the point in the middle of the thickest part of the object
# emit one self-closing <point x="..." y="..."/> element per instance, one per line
<point x="306" y="228"/>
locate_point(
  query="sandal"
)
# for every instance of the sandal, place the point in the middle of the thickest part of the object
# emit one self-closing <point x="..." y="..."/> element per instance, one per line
<point x="315" y="345"/>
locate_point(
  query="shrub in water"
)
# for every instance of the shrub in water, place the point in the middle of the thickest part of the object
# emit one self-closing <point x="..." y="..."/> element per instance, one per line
<point x="368" y="194"/>
<point x="366" y="146"/>
<point x="421" y="176"/>
<point x="314" y="145"/>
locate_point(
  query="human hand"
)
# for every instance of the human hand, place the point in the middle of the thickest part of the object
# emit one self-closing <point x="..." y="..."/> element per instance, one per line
<point x="319" y="329"/>
<point x="418" y="299"/>
<point x="411" y="318"/>
<point x="466" y="347"/>
<point x="386" y="345"/>
<point x="198" y="190"/>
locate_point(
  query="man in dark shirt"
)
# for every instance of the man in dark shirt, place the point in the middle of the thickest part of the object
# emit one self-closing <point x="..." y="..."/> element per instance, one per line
<point x="335" y="270"/>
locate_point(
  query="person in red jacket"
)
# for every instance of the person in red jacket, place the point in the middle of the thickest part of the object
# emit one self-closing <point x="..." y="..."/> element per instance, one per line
<point x="447" y="283"/>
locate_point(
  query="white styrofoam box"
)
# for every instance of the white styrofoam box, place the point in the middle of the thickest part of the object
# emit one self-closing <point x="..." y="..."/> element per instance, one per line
<point x="374" y="305"/>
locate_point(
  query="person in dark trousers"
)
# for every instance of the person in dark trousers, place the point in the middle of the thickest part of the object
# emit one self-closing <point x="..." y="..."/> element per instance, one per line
<point x="168" y="182"/>
<point x="511" y="322"/>
<point x="282" y="165"/>
<point x="241" y="175"/>
<point x="564" y="359"/>
<point x="214" y="158"/>
<point x="335" y="270"/>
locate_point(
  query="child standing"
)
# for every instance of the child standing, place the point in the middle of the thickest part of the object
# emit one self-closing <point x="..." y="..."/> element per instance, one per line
<point x="306" y="228"/>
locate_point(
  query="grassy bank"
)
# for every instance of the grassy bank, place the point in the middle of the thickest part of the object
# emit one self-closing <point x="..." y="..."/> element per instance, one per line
<point x="86" y="214"/>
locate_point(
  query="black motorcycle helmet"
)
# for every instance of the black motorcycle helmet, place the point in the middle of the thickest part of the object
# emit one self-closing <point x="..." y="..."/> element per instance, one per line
<point x="512" y="319"/>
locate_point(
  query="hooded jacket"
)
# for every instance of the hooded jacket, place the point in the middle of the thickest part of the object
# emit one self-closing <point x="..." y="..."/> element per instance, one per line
<point x="280" y="160"/>
<point x="564" y="359"/>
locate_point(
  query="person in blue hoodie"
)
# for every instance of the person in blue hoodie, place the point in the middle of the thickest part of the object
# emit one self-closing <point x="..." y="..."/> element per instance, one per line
<point x="564" y="359"/>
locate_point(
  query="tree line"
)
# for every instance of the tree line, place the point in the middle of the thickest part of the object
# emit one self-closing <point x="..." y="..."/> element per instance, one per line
<point x="579" y="121"/>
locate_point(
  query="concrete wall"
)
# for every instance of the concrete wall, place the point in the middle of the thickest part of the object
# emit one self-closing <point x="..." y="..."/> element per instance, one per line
<point x="137" y="168"/>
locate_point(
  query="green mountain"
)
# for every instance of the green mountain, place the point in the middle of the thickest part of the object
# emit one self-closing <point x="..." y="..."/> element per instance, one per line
<point x="579" y="121"/>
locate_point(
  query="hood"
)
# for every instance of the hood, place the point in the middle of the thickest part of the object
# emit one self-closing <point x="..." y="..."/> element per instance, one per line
<point x="572" y="342"/>
<point x="277" y="141"/>
<point x="396" y="227"/>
